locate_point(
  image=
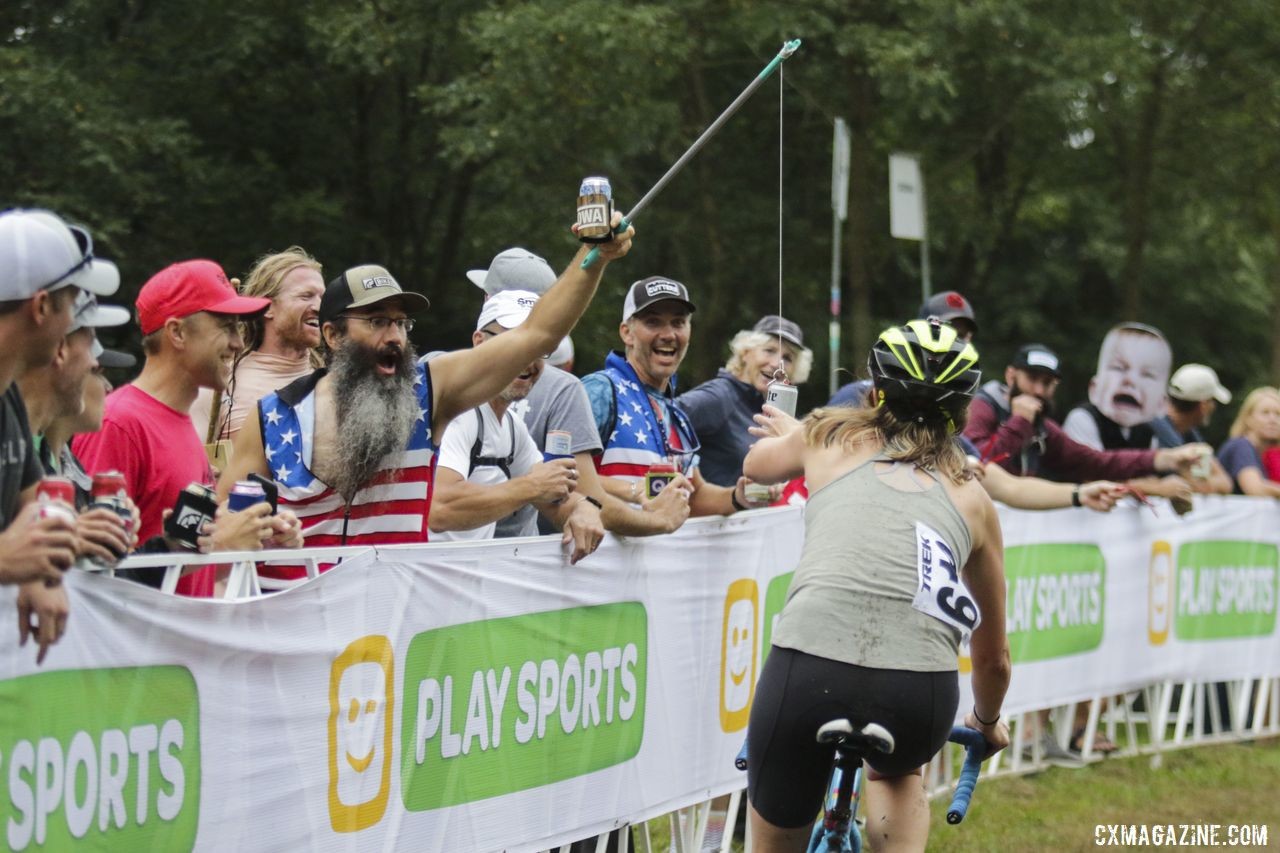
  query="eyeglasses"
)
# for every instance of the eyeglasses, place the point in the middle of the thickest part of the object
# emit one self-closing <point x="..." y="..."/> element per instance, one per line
<point x="85" y="244"/>
<point x="381" y="324"/>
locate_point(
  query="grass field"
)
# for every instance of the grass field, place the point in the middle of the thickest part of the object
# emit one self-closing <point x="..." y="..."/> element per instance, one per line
<point x="1059" y="809"/>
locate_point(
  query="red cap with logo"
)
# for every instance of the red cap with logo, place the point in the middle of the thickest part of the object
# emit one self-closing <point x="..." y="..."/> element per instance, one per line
<point x="182" y="289"/>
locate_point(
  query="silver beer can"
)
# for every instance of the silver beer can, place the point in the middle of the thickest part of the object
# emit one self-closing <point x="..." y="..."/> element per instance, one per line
<point x="782" y="396"/>
<point x="595" y="210"/>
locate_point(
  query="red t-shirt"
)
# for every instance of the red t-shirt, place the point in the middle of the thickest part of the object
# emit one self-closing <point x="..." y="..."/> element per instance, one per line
<point x="159" y="453"/>
<point x="1271" y="461"/>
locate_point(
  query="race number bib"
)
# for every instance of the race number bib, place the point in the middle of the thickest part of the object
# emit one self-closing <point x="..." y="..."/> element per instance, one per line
<point x="942" y="594"/>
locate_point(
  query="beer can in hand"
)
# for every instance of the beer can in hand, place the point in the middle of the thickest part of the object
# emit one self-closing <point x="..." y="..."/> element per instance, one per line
<point x="659" y="476"/>
<point x="558" y="446"/>
<point x="595" y="210"/>
<point x="196" y="504"/>
<point x="57" y="498"/>
<point x="782" y="396"/>
<point x="110" y="492"/>
<point x="244" y="494"/>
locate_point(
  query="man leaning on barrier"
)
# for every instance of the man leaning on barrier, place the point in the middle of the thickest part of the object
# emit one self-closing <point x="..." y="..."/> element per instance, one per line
<point x="44" y="265"/>
<point x="188" y="314"/>
<point x="351" y="445"/>
<point x="489" y="468"/>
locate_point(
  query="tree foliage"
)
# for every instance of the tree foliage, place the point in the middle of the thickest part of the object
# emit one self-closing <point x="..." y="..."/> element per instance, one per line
<point x="1086" y="163"/>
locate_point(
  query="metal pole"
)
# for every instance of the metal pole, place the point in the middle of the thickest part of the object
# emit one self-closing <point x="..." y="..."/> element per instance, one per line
<point x="926" y="285"/>
<point x="834" y="334"/>
<point x="787" y="49"/>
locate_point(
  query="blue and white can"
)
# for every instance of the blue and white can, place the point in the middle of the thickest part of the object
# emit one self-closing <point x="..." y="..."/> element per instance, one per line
<point x="595" y="210"/>
<point x="245" y="494"/>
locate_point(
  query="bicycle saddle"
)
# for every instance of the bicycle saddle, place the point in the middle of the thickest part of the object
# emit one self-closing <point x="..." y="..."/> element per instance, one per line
<point x="873" y="737"/>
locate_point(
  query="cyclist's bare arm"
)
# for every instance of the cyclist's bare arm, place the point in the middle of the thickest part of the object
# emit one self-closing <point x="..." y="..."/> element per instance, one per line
<point x="989" y="646"/>
<point x="776" y="459"/>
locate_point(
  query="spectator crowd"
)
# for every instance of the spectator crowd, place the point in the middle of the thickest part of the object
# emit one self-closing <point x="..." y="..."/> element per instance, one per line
<point x="313" y="390"/>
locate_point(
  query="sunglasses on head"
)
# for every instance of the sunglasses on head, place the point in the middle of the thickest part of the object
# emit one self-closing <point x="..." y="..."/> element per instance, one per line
<point x="85" y="243"/>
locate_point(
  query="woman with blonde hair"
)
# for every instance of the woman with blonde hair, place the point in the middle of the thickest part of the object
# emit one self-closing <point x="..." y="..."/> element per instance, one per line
<point x="902" y="559"/>
<point x="1255" y="430"/>
<point x="721" y="408"/>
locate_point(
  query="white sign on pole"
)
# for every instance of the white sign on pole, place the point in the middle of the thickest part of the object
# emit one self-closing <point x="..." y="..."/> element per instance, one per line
<point x="840" y="171"/>
<point x="906" y="197"/>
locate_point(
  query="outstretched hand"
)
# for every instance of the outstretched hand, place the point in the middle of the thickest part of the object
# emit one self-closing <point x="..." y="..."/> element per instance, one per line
<point x="773" y="422"/>
<point x="618" y="245"/>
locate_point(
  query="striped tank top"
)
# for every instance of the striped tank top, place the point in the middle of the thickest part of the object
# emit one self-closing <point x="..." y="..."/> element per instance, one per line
<point x="391" y="509"/>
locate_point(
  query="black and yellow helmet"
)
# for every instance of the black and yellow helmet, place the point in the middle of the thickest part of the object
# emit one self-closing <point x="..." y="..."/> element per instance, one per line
<point x="924" y="370"/>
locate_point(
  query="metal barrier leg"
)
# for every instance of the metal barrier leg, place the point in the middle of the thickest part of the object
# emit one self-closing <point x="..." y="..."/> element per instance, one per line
<point x="170" y="583"/>
<point x="1090" y="728"/>
<point x="1240" y="704"/>
<point x="1186" y="703"/>
<point x="1275" y="705"/>
<point x="730" y="822"/>
<point x="1260" y="705"/>
<point x="1213" y="715"/>
<point x="646" y="843"/>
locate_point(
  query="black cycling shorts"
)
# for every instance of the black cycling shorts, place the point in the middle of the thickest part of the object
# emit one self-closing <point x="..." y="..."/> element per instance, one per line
<point x="788" y="770"/>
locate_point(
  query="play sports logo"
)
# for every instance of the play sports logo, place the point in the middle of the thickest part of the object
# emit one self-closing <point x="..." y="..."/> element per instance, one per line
<point x="107" y="759"/>
<point x="361" y="692"/>
<point x="506" y="704"/>
<point x="1056" y="599"/>
<point x="1225" y="589"/>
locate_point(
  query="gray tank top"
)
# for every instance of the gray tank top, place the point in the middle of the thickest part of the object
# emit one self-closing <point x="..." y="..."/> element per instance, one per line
<point x="871" y="549"/>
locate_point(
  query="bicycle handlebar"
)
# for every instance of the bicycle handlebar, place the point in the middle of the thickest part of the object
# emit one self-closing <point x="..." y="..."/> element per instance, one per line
<point x="975" y="750"/>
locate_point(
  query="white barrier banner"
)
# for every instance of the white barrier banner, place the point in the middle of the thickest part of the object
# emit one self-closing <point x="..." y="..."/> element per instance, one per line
<point x="491" y="697"/>
<point x="1101" y="604"/>
<point x="449" y="697"/>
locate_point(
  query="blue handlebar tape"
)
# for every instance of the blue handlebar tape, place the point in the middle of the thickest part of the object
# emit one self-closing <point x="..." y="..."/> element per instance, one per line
<point x="741" y="761"/>
<point x="975" y="746"/>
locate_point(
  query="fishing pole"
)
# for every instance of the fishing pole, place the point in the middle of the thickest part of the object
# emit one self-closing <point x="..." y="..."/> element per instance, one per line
<point x="787" y="49"/>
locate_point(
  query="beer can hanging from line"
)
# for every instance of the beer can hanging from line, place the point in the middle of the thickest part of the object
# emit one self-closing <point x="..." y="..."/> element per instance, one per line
<point x="782" y="396"/>
<point x="595" y="210"/>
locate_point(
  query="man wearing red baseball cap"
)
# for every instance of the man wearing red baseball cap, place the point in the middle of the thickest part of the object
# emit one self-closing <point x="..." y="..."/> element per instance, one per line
<point x="189" y="316"/>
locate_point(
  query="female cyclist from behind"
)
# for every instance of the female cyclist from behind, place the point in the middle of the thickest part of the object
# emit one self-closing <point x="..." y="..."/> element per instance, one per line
<point x="902" y="558"/>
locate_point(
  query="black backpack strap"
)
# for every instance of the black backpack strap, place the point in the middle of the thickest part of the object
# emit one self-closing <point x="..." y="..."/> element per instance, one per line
<point x="503" y="464"/>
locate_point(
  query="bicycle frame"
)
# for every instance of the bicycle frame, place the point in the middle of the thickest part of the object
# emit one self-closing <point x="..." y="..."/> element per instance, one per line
<point x="836" y="832"/>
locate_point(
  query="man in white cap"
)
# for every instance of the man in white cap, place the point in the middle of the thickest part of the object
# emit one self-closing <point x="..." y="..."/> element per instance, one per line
<point x="44" y="264"/>
<point x="488" y="467"/>
<point x="558" y="402"/>
<point x="1194" y="394"/>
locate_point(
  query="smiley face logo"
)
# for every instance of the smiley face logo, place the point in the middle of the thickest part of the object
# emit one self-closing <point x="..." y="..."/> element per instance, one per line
<point x="738" y="650"/>
<point x="1159" y="592"/>
<point x="360" y="700"/>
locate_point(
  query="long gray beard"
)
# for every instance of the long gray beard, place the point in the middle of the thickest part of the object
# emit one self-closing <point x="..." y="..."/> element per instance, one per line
<point x="376" y="415"/>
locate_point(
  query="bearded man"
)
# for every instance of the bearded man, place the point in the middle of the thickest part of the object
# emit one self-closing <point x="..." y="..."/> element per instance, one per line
<point x="351" y="445"/>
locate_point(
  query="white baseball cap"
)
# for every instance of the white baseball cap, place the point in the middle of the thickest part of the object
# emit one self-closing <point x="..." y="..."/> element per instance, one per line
<point x="563" y="353"/>
<point x="87" y="313"/>
<point x="1196" y="383"/>
<point x="507" y="308"/>
<point x="39" y="251"/>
